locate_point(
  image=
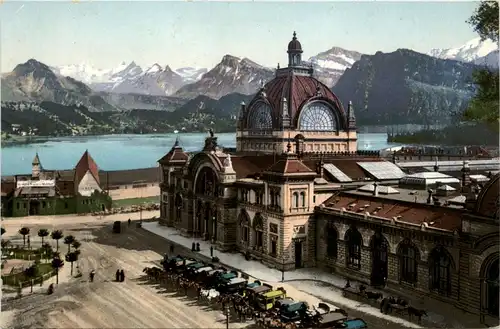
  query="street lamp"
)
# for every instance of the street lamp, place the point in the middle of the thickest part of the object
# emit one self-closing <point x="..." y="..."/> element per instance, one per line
<point x="283" y="268"/>
<point x="226" y="311"/>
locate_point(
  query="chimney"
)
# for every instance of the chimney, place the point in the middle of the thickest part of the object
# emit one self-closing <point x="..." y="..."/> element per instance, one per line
<point x="375" y="189"/>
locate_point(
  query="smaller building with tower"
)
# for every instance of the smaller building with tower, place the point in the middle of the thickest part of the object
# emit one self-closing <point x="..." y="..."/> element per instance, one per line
<point x="55" y="192"/>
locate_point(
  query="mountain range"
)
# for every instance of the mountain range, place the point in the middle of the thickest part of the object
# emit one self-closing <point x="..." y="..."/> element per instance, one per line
<point x="474" y="51"/>
<point x="399" y="87"/>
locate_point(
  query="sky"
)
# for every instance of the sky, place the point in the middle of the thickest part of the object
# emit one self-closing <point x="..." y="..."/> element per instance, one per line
<point x="199" y="34"/>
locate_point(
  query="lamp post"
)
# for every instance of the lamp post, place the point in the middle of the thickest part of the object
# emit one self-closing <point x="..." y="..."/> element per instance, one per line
<point x="283" y="268"/>
<point x="226" y="311"/>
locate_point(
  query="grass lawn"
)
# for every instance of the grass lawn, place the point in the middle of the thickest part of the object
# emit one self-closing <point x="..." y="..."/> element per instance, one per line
<point x="18" y="253"/>
<point x="13" y="280"/>
<point x="135" y="201"/>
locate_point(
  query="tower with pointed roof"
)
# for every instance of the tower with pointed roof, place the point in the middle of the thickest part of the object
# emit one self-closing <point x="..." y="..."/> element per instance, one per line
<point x="86" y="177"/>
<point x="36" y="167"/>
<point x="295" y="104"/>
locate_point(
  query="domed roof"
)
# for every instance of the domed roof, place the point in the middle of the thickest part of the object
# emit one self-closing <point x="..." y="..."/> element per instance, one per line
<point x="294" y="45"/>
<point x="297" y="90"/>
<point x="488" y="199"/>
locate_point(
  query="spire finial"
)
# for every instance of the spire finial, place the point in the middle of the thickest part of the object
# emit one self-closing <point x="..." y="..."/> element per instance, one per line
<point x="294" y="35"/>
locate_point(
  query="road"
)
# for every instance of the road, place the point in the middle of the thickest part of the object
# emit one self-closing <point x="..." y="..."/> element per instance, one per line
<point x="103" y="303"/>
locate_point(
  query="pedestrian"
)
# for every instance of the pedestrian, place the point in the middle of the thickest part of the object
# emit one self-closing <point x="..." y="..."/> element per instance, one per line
<point x="129" y="221"/>
<point x="117" y="275"/>
<point x="91" y="275"/>
<point x="172" y="249"/>
<point x="211" y="251"/>
<point x="122" y="276"/>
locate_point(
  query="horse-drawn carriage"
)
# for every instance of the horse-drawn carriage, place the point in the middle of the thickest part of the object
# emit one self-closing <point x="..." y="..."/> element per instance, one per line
<point x="117" y="227"/>
<point x="271" y="308"/>
<point x="265" y="301"/>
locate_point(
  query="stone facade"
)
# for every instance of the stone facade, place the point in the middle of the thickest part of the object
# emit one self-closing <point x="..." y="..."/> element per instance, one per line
<point x="458" y="267"/>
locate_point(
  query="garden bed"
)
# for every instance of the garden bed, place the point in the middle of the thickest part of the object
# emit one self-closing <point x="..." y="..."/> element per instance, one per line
<point x="45" y="271"/>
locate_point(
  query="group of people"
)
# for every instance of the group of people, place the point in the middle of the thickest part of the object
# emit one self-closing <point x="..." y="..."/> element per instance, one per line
<point x="120" y="275"/>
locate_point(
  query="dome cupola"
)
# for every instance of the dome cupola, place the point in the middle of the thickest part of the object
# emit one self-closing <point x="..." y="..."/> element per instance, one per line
<point x="294" y="52"/>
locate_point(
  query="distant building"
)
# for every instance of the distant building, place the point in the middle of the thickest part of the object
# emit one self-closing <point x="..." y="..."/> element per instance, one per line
<point x="296" y="192"/>
<point x="51" y="192"/>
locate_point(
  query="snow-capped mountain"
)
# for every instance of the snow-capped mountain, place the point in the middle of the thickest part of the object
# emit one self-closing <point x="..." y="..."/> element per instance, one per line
<point x="490" y="60"/>
<point x="155" y="81"/>
<point x="470" y="52"/>
<point x="331" y="64"/>
<point x="36" y="82"/>
<point x="191" y="74"/>
<point x="89" y="74"/>
<point x="231" y="75"/>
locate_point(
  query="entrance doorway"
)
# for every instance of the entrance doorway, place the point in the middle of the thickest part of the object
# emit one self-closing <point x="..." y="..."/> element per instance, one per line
<point x="34" y="208"/>
<point x="378" y="246"/>
<point x="298" y="254"/>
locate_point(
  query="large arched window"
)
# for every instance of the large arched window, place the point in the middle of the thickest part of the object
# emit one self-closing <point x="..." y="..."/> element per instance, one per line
<point x="408" y="262"/>
<point x="260" y="117"/>
<point x="244" y="226"/>
<point x="206" y="182"/>
<point x="354" y="242"/>
<point x="331" y="242"/>
<point x="440" y="271"/>
<point x="317" y="116"/>
<point x="492" y="288"/>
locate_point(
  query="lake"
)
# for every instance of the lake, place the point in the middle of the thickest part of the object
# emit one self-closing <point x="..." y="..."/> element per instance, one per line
<point x="119" y="152"/>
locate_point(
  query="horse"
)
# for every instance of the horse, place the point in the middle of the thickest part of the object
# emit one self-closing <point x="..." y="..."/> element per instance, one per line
<point x="413" y="311"/>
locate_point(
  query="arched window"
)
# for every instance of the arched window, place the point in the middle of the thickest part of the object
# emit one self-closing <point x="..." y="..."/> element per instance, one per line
<point x="260" y="117"/>
<point x="440" y="274"/>
<point x="492" y="288"/>
<point x="408" y="262"/>
<point x="178" y="207"/>
<point x="354" y="242"/>
<point x="302" y="199"/>
<point x="206" y="182"/>
<point x="331" y="242"/>
<point x="317" y="117"/>
<point x="244" y="226"/>
<point x="258" y="226"/>
<point x="295" y="199"/>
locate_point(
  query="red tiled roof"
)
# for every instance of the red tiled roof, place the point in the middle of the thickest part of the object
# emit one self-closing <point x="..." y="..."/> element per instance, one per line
<point x="443" y="218"/>
<point x="488" y="200"/>
<point x="65" y="187"/>
<point x="86" y="163"/>
<point x="298" y="90"/>
<point x="247" y="166"/>
<point x="7" y="187"/>
<point x="175" y="155"/>
<point x="290" y="165"/>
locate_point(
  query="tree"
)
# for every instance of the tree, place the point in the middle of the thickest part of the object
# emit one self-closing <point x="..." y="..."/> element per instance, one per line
<point x="76" y="244"/>
<point x="484" y="106"/>
<point x="31" y="273"/>
<point x="57" y="263"/>
<point x="24" y="231"/>
<point x="69" y="240"/>
<point x="57" y="235"/>
<point x="485" y="20"/>
<point x="72" y="257"/>
<point x="5" y="243"/>
<point x="46" y="251"/>
<point x="42" y="233"/>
